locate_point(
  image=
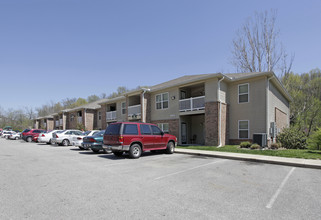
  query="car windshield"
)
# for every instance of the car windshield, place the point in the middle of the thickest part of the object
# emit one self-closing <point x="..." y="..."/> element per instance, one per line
<point x="86" y="133"/>
<point x="26" y="130"/>
<point x="99" y="134"/>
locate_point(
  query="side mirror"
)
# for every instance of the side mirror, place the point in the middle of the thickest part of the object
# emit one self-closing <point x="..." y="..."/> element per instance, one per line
<point x="162" y="133"/>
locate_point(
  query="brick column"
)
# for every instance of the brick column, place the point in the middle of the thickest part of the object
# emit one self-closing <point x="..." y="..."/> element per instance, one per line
<point x="211" y="123"/>
<point x="103" y="116"/>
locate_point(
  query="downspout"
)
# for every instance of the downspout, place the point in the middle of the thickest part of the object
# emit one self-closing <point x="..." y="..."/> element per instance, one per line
<point x="220" y="111"/>
<point x="267" y="105"/>
<point x="84" y="118"/>
<point x="143" y="103"/>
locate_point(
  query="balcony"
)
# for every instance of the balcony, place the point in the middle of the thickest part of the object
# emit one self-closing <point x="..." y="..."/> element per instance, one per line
<point x="134" y="112"/>
<point x="111" y="116"/>
<point x="192" y="104"/>
<point x="60" y="122"/>
<point x="57" y="123"/>
<point x="79" y="120"/>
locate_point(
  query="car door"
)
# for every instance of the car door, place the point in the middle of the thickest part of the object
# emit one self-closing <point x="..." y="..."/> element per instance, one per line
<point x="146" y="136"/>
<point x="159" y="140"/>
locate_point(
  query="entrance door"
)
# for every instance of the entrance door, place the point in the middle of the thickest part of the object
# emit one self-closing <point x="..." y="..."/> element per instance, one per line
<point x="184" y="133"/>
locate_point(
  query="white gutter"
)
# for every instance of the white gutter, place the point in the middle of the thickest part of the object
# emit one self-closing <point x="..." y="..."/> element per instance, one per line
<point x="220" y="111"/>
<point x="143" y="103"/>
<point x="267" y="105"/>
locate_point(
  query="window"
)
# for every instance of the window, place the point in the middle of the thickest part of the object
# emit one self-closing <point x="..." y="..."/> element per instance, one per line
<point x="243" y="129"/>
<point x="99" y="115"/>
<point x="72" y="117"/>
<point x="162" y="101"/>
<point x="156" y="130"/>
<point x="123" y="108"/>
<point x="145" y="129"/>
<point x="130" y="129"/>
<point x="113" y="129"/>
<point x="244" y="93"/>
<point x="164" y="127"/>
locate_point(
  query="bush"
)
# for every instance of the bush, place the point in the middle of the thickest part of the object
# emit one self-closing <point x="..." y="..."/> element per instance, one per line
<point x="81" y="127"/>
<point x="245" y="144"/>
<point x="255" y="146"/>
<point x="275" y="146"/>
<point x="291" y="138"/>
<point x="314" y="140"/>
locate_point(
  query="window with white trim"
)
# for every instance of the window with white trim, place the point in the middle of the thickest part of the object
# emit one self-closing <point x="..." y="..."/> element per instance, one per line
<point x="243" y="91"/>
<point x="164" y="127"/>
<point x="244" y="129"/>
<point x="162" y="100"/>
<point x="123" y="108"/>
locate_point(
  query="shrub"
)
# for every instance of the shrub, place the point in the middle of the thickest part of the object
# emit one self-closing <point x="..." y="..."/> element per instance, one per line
<point x="291" y="138"/>
<point x="245" y="144"/>
<point x="80" y="127"/>
<point x="314" y="140"/>
<point x="255" y="146"/>
<point x="276" y="146"/>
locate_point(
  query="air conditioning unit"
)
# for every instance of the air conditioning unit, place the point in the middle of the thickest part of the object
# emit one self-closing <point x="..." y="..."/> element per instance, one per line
<point x="260" y="139"/>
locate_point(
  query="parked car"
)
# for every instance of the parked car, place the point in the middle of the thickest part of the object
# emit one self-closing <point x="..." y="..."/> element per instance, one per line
<point x="6" y="134"/>
<point x="29" y="135"/>
<point x="135" y="138"/>
<point x="65" y="137"/>
<point x="46" y="137"/>
<point x="79" y="139"/>
<point x="15" y="136"/>
<point x="95" y="142"/>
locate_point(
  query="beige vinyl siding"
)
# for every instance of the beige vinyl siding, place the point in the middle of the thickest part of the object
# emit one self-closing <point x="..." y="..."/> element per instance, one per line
<point x="223" y="92"/>
<point x="254" y="111"/>
<point x="211" y="90"/>
<point x="277" y="100"/>
<point x="120" y="116"/>
<point x="172" y="112"/>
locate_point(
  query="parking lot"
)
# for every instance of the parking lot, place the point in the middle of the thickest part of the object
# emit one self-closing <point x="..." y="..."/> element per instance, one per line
<point x="39" y="181"/>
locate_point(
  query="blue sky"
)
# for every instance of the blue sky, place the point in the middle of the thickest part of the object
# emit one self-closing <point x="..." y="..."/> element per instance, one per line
<point x="56" y="49"/>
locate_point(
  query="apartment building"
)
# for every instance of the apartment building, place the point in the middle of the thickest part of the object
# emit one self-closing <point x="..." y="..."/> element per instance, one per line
<point x="46" y="123"/>
<point x="205" y="109"/>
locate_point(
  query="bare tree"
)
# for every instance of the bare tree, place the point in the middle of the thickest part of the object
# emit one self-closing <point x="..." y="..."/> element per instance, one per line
<point x="256" y="47"/>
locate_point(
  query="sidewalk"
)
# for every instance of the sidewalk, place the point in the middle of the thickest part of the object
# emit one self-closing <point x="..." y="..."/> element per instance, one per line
<point x="296" y="162"/>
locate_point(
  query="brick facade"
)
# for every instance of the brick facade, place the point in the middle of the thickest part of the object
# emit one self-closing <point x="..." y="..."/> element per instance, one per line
<point x="211" y="123"/>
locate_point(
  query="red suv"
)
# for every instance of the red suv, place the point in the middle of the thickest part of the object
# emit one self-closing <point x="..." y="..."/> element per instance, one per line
<point x="29" y="135"/>
<point x="135" y="138"/>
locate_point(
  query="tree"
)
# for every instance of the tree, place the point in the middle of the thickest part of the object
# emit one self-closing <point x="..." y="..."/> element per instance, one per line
<point x="256" y="47"/>
<point x="92" y="98"/>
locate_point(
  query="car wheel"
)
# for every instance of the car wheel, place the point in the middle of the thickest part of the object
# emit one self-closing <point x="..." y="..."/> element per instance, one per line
<point x="29" y="139"/>
<point x="16" y="138"/>
<point x="170" y="147"/>
<point x="118" y="153"/>
<point x="95" y="150"/>
<point x="65" y="142"/>
<point x="81" y="148"/>
<point x="49" y="142"/>
<point x="135" y="151"/>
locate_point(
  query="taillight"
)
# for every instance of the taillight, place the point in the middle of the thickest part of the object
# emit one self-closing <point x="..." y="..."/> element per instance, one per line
<point x="92" y="140"/>
<point x="42" y="135"/>
<point x="57" y="136"/>
<point x="121" y="139"/>
<point x="79" y="138"/>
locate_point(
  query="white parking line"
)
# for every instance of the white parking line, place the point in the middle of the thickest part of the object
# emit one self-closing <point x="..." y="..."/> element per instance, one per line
<point x="193" y="168"/>
<point x="274" y="197"/>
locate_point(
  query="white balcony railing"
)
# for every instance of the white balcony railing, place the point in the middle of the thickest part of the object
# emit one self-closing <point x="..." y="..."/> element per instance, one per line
<point x="111" y="116"/>
<point x="79" y="120"/>
<point x="60" y="122"/>
<point x="134" y="112"/>
<point x="192" y="104"/>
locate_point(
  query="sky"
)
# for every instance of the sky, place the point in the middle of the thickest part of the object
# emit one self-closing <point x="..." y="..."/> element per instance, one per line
<point x="56" y="49"/>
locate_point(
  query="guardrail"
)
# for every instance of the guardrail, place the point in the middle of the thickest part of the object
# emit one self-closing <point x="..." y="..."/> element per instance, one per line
<point x="192" y="104"/>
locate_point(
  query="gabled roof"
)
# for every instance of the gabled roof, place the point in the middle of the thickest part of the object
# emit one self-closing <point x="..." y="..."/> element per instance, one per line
<point x="93" y="105"/>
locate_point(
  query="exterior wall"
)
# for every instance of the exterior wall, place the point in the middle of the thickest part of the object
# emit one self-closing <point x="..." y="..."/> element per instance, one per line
<point x="211" y="90"/>
<point x="211" y="123"/>
<point x="103" y="116"/>
<point x="146" y="108"/>
<point x="173" y="125"/>
<point x="97" y="123"/>
<point x="50" y="124"/>
<point x="88" y="120"/>
<point x="223" y="92"/>
<point x="254" y="110"/>
<point x="65" y="121"/>
<point x="224" y="124"/>
<point x="279" y="108"/>
<point x="172" y="112"/>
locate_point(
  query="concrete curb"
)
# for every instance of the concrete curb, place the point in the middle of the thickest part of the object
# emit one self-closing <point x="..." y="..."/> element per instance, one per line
<point x="294" y="162"/>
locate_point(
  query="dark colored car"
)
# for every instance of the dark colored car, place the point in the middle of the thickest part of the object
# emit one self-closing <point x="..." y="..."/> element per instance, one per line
<point x="29" y="135"/>
<point x="136" y="137"/>
<point x="95" y="142"/>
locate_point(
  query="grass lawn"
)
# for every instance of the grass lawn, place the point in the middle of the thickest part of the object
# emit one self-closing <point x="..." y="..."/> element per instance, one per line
<point x="306" y="154"/>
